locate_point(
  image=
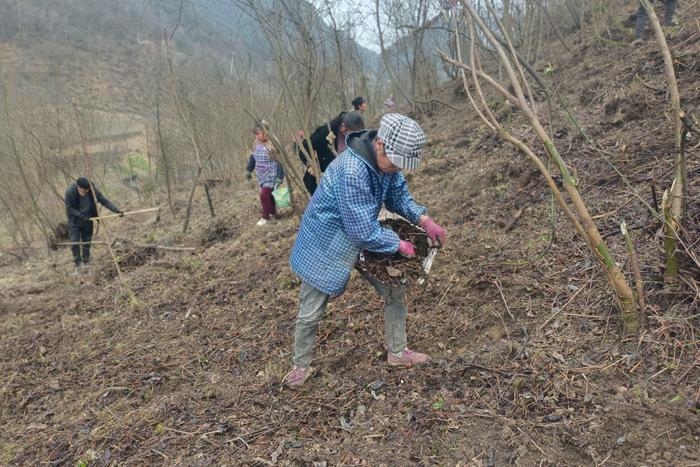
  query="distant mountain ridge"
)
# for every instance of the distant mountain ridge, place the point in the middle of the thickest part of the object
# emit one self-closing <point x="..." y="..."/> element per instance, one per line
<point x="89" y="46"/>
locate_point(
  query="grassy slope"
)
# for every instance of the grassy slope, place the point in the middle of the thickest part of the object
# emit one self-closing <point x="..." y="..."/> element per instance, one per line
<point x="192" y="375"/>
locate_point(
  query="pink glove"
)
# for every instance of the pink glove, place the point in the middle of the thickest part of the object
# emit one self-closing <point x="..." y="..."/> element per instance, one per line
<point x="436" y="234"/>
<point x="406" y="249"/>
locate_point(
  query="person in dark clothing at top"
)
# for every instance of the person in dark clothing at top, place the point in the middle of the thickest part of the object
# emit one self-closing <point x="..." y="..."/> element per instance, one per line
<point x="80" y="207"/>
<point x="643" y="18"/>
<point x="359" y="103"/>
<point x="327" y="142"/>
<point x="250" y="166"/>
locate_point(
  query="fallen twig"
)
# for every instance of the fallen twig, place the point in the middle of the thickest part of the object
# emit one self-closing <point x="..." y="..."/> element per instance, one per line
<point x="515" y="218"/>
<point x="556" y="313"/>
<point x="483" y="368"/>
<point x="498" y="285"/>
<point x="446" y="290"/>
<point x="532" y="441"/>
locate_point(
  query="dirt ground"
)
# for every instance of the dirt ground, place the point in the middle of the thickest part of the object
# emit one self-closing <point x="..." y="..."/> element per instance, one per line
<point x="528" y="364"/>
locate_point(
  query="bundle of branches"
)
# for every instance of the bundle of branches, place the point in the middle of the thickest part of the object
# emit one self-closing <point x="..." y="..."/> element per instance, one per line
<point x="132" y="255"/>
<point x="219" y="231"/>
<point x="59" y="234"/>
<point x="394" y="269"/>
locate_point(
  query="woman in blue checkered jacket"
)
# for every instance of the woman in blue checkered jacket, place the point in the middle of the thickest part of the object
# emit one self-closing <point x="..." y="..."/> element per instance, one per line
<point x="342" y="219"/>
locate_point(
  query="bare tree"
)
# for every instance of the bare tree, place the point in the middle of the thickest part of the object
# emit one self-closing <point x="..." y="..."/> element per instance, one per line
<point x="575" y="208"/>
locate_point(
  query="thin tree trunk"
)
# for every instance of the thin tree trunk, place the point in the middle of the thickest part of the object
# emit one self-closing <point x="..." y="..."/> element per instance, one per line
<point x="18" y="228"/>
<point x="166" y="165"/>
<point x="38" y="215"/>
<point x="192" y="135"/>
<point x="678" y="188"/>
<point x="554" y="26"/>
<point x="670" y="240"/>
<point x="392" y="77"/>
<point x="574" y="14"/>
<point x="188" y="212"/>
<point x="634" y="262"/>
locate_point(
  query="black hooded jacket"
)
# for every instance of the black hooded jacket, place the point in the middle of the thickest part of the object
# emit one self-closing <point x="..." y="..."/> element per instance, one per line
<point x="72" y="200"/>
<point x="319" y="142"/>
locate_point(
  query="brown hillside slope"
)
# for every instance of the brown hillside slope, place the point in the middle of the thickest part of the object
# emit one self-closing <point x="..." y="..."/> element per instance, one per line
<point x="527" y="366"/>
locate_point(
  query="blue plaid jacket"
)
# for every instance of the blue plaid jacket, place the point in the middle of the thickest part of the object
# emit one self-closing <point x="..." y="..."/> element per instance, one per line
<point x="266" y="168"/>
<point x="342" y="217"/>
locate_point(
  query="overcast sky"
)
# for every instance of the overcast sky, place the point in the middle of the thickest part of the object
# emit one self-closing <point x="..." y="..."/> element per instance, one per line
<point x="363" y="13"/>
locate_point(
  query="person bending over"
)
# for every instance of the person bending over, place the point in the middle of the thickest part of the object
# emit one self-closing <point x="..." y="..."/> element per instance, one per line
<point x="341" y="220"/>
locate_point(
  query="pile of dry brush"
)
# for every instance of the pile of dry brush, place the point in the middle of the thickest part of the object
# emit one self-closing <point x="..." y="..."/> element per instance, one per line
<point x="394" y="269"/>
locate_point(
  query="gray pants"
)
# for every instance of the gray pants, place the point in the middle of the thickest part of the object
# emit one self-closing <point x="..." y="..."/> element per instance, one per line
<point x="643" y="17"/>
<point x="312" y="306"/>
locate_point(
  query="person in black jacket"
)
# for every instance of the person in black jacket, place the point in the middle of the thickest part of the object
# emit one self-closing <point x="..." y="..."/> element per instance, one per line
<point x="359" y="103"/>
<point x="80" y="207"/>
<point x="327" y="142"/>
<point x="250" y="166"/>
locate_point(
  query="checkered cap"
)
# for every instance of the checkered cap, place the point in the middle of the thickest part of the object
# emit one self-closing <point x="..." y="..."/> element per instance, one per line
<point x="403" y="140"/>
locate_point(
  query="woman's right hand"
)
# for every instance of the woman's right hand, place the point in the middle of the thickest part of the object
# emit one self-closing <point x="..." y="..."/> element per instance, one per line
<point x="406" y="249"/>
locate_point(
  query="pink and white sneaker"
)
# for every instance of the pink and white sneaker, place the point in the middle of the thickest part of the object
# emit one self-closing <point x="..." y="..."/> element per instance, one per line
<point x="297" y="376"/>
<point x="406" y="357"/>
